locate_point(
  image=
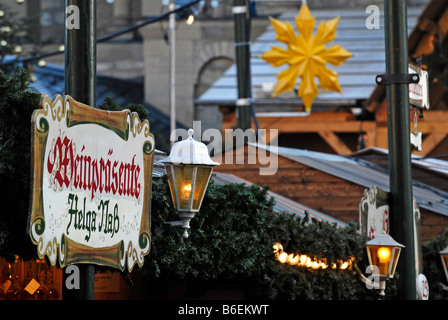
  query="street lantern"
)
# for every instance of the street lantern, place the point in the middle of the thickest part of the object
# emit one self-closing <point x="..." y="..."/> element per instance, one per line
<point x="444" y="257"/>
<point x="189" y="169"/>
<point x="383" y="252"/>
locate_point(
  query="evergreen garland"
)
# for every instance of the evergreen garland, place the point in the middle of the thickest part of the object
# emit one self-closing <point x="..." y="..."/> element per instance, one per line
<point x="433" y="268"/>
<point x="232" y="239"/>
<point x="17" y="103"/>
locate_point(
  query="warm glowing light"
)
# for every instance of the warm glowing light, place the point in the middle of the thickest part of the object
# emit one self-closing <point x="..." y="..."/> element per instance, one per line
<point x="186" y="191"/>
<point x="384" y="255"/>
<point x="292" y="259"/>
<point x="283" y="257"/>
<point x="302" y="260"/>
<point x="190" y="20"/>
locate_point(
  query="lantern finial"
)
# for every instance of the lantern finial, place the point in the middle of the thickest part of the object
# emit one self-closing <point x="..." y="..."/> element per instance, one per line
<point x="190" y="133"/>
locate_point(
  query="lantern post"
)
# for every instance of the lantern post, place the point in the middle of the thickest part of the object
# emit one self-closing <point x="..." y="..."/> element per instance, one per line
<point x="398" y="125"/>
<point x="241" y="12"/>
<point x="80" y="84"/>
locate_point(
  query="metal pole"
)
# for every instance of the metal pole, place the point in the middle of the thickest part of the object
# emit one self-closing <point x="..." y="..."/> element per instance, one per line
<point x="172" y="39"/>
<point x="80" y="83"/>
<point x="242" y="50"/>
<point x="402" y="220"/>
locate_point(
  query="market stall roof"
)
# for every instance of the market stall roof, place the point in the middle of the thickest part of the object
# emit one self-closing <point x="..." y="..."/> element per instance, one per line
<point x="282" y="204"/>
<point x="363" y="173"/>
<point x="356" y="75"/>
<point x="431" y="164"/>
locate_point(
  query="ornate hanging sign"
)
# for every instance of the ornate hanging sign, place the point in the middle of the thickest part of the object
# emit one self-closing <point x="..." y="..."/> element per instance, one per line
<point x="92" y="179"/>
<point x="419" y="100"/>
<point x="419" y="92"/>
<point x="374" y="212"/>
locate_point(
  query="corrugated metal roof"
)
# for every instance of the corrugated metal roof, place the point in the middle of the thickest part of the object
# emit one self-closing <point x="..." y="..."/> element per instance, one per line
<point x="363" y="173"/>
<point x="356" y="75"/>
<point x="435" y="165"/>
<point x="282" y="204"/>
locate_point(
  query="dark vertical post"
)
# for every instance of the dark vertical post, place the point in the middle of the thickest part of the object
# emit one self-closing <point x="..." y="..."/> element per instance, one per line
<point x="398" y="124"/>
<point x="80" y="54"/>
<point x="242" y="50"/>
<point x="80" y="83"/>
<point x="172" y="39"/>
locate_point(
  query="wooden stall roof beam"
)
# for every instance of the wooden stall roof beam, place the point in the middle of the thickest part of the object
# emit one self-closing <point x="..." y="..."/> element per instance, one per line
<point x="334" y="142"/>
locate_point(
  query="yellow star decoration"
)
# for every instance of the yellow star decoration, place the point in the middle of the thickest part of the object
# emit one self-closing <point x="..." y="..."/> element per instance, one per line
<point x="306" y="56"/>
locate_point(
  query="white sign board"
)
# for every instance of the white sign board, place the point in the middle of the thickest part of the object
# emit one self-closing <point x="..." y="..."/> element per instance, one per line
<point x="374" y="212"/>
<point x="419" y="92"/>
<point x="92" y="184"/>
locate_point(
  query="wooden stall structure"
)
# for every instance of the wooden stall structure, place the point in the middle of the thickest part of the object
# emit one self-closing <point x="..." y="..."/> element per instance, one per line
<point x="335" y="184"/>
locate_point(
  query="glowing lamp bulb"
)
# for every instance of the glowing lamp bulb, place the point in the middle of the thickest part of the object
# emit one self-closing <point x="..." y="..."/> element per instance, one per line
<point x="384" y="258"/>
<point x="384" y="255"/>
<point x="186" y="190"/>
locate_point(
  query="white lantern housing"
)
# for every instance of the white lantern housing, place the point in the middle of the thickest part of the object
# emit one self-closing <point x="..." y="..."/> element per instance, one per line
<point x="189" y="168"/>
<point x="383" y="253"/>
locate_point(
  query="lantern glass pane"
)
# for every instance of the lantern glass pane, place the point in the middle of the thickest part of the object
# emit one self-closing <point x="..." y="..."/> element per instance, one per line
<point x="202" y="178"/>
<point x="393" y="265"/>
<point x="445" y="264"/>
<point x="171" y="183"/>
<point x="380" y="257"/>
<point x="184" y="184"/>
<point x="181" y="184"/>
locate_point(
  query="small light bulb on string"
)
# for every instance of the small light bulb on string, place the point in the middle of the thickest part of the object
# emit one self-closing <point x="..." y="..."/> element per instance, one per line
<point x="42" y="63"/>
<point x="18" y="49"/>
<point x="2" y="13"/>
<point x="20" y="1"/>
<point x="3" y="43"/>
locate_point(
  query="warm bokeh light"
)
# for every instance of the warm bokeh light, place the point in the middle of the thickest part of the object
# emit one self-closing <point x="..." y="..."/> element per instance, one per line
<point x="302" y="260"/>
<point x="190" y="20"/>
